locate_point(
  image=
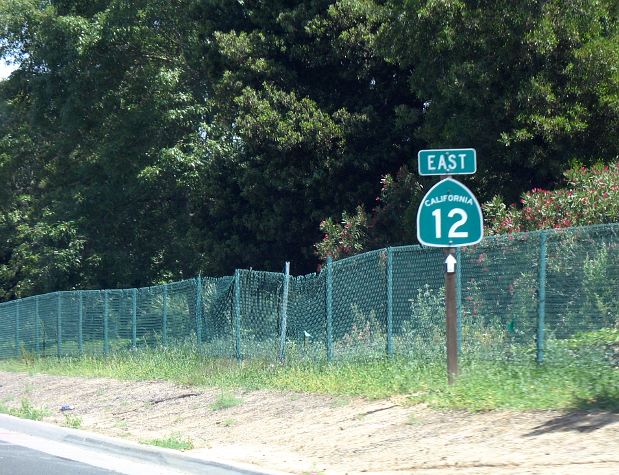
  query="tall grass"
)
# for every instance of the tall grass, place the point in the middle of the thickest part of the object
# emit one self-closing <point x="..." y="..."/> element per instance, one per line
<point x="566" y="381"/>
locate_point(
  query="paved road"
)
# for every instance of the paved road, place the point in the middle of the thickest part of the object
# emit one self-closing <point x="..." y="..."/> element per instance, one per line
<point x="18" y="460"/>
<point x="32" y="448"/>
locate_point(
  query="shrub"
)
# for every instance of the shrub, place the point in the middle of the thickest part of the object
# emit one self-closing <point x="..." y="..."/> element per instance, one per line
<point x="591" y="197"/>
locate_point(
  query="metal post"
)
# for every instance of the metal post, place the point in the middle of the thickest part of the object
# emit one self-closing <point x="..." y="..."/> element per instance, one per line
<point x="106" y="317"/>
<point x="199" y="310"/>
<point x="17" y="328"/>
<point x="134" y="319"/>
<point x="329" y="304"/>
<point x="450" y="313"/>
<point x="36" y="325"/>
<point x="284" y="313"/>
<point x="59" y="325"/>
<point x="459" y="297"/>
<point x="80" y="323"/>
<point x="165" y="315"/>
<point x="389" y="301"/>
<point x="237" y="314"/>
<point x="541" y="309"/>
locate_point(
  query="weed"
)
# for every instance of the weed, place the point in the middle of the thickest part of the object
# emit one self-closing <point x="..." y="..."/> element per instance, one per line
<point x="25" y="411"/>
<point x="174" y="441"/>
<point x="75" y="422"/>
<point x="576" y="373"/>
<point x="225" y="401"/>
<point x="228" y="423"/>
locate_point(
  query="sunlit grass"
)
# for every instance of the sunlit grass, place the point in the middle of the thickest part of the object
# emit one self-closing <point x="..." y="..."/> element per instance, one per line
<point x="225" y="401"/>
<point x="174" y="441"/>
<point x="26" y="411"/>
<point x="568" y="382"/>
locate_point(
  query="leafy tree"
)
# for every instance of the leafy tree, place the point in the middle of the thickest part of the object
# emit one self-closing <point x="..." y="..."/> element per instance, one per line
<point x="149" y="140"/>
<point x="532" y="85"/>
<point x="174" y="137"/>
<point x="105" y="89"/>
<point x="319" y="117"/>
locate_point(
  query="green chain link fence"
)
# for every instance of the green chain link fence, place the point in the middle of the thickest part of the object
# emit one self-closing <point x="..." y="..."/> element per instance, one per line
<point x="520" y="296"/>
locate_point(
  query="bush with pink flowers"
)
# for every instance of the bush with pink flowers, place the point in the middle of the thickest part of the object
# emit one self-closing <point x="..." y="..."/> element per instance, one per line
<point x="590" y="197"/>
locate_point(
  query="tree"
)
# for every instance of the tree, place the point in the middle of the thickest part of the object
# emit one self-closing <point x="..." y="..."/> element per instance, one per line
<point x="106" y="90"/>
<point x="318" y="115"/>
<point x="187" y="136"/>
<point x="531" y="85"/>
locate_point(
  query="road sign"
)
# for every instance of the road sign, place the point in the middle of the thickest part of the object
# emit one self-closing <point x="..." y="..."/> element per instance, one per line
<point x="459" y="161"/>
<point x="449" y="216"/>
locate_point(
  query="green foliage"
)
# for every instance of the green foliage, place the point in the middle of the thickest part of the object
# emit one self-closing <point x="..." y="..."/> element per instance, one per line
<point x="391" y="222"/>
<point x="603" y="337"/>
<point x="571" y="381"/>
<point x="423" y="328"/>
<point x="530" y="84"/>
<point x="147" y="141"/>
<point x="25" y="411"/>
<point x="599" y="294"/>
<point x="602" y="344"/>
<point x="72" y="421"/>
<point x="174" y="138"/>
<point x="174" y="441"/>
<point x="225" y="401"/>
<point x="591" y="197"/>
<point x="345" y="239"/>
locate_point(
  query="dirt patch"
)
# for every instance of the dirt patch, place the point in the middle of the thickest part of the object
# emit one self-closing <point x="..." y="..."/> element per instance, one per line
<point x="306" y="433"/>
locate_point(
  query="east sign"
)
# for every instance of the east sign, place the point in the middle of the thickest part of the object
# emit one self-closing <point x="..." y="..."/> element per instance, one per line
<point x="449" y="216"/>
<point x="458" y="161"/>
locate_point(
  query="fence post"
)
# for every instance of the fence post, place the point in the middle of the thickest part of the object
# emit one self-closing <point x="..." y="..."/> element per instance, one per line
<point x="541" y="309"/>
<point x="199" y="309"/>
<point x="106" y="317"/>
<point x="329" y="297"/>
<point x="36" y="325"/>
<point x="59" y="325"/>
<point x="284" y="313"/>
<point x="134" y="319"/>
<point x="389" y="301"/>
<point x="17" y="328"/>
<point x="80" y="323"/>
<point x="165" y="315"/>
<point x="237" y="314"/>
<point x="459" y="298"/>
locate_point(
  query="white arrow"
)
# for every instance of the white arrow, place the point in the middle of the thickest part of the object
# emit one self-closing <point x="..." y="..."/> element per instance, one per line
<point x="451" y="264"/>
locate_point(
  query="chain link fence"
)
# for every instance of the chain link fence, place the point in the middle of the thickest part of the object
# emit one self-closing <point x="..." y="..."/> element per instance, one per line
<point x="519" y="296"/>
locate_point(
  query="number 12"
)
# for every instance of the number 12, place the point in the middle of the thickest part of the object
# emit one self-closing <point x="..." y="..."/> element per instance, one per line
<point x="453" y="230"/>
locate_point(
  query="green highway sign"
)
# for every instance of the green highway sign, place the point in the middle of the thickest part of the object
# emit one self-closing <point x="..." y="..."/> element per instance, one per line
<point x="458" y="161"/>
<point x="449" y="216"/>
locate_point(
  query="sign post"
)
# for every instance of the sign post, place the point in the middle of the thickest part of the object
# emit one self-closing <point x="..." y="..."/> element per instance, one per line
<point x="450" y="315"/>
<point x="449" y="216"/>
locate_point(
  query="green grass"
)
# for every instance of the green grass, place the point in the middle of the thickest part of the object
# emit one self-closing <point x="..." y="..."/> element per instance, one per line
<point x="25" y="411"/>
<point x="224" y="401"/>
<point x="75" y="422"/>
<point x="174" y="441"/>
<point x="567" y="381"/>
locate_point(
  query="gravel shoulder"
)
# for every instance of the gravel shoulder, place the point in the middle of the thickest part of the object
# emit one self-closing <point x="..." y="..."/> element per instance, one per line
<point x="308" y="433"/>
